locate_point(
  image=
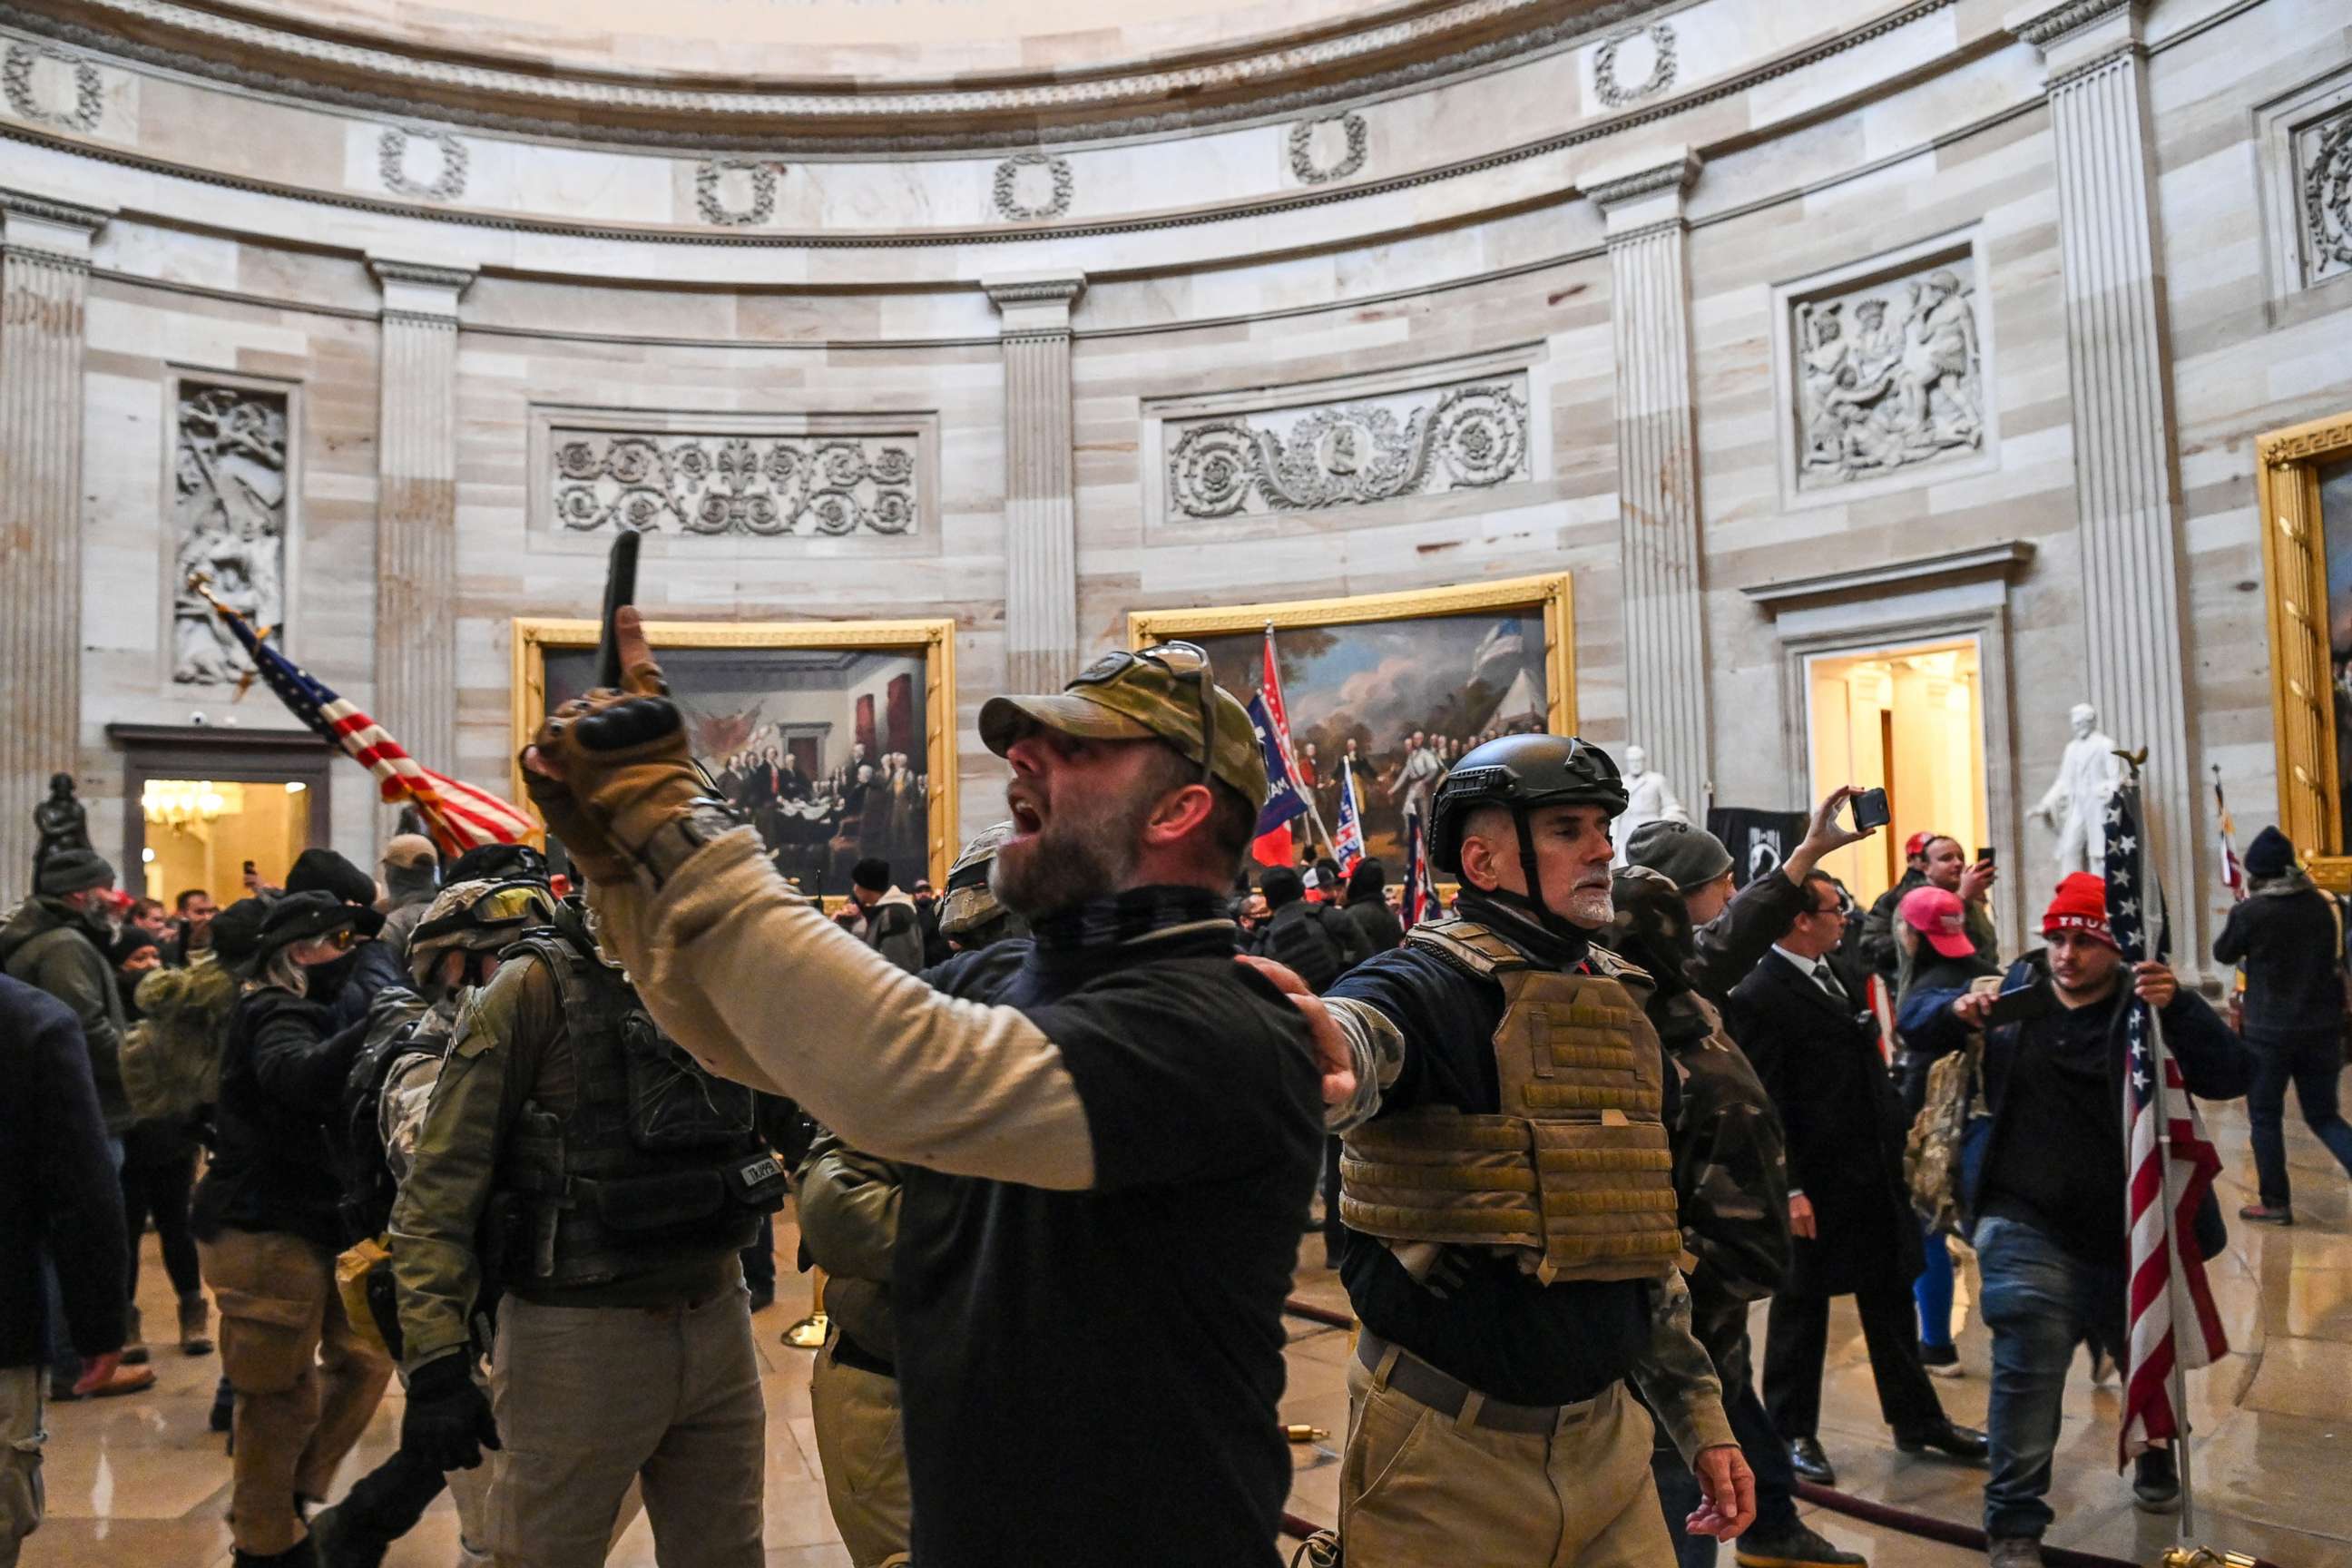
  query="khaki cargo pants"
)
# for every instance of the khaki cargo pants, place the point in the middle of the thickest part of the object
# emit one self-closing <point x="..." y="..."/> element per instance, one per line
<point x="21" y="1437"/>
<point x="1419" y="1487"/>
<point x="862" y="1445"/>
<point x="306" y="1384"/>
<point x="589" y="1399"/>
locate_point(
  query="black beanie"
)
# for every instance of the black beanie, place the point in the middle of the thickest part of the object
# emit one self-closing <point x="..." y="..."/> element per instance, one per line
<point x="67" y="871"/>
<point x="1281" y="886"/>
<point x="2272" y="853"/>
<point x="324" y="871"/>
<point x="1367" y="882"/>
<point x="872" y="874"/>
<point x="236" y="933"/>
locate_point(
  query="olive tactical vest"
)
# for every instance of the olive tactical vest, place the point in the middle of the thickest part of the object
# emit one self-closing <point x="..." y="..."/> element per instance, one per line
<point x="1574" y="1171"/>
<point x="657" y="1162"/>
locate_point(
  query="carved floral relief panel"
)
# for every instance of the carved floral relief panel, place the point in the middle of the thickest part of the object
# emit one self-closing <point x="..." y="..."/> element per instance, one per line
<point x="733" y="482"/>
<point x="230" y="522"/>
<point x="1889" y="375"/>
<point x="2322" y="170"/>
<point x="1465" y="435"/>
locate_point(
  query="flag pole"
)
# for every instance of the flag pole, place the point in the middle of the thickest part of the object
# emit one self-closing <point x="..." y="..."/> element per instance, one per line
<point x="2161" y="1102"/>
<point x="1290" y="761"/>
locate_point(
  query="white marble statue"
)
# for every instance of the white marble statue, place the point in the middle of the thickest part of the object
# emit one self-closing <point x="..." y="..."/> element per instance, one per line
<point x="1648" y="799"/>
<point x="2076" y="804"/>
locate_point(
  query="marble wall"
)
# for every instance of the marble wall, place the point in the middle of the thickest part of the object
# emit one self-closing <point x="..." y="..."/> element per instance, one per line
<point x="1308" y="277"/>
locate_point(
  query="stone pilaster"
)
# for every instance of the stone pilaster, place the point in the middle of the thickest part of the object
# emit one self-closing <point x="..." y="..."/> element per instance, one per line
<point x="2127" y="480"/>
<point x="1041" y="553"/>
<point x="1657" y="466"/>
<point x="416" y="510"/>
<point x="44" y="280"/>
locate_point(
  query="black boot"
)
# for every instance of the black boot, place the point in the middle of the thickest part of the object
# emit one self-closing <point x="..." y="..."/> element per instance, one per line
<point x="346" y="1543"/>
<point x="301" y="1554"/>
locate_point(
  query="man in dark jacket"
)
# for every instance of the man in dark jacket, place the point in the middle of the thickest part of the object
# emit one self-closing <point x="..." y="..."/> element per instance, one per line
<point x="2043" y="1183"/>
<point x="1368" y="908"/>
<point x="1316" y="942"/>
<point x="1817" y="1051"/>
<point x="2289" y="936"/>
<point x="58" y="1199"/>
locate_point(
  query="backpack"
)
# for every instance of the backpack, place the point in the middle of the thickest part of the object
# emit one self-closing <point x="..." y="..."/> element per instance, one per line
<point x="171" y="1056"/>
<point x="393" y="1020"/>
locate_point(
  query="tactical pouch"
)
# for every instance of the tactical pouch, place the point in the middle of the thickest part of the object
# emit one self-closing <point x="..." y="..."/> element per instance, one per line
<point x="655" y="1203"/>
<point x="758" y="1184"/>
<point x="674" y="1104"/>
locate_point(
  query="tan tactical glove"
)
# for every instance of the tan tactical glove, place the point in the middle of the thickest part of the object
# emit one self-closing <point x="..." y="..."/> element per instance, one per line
<point x="609" y="770"/>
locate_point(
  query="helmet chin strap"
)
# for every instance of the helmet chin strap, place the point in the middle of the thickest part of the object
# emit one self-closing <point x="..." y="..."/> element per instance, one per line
<point x="1559" y="925"/>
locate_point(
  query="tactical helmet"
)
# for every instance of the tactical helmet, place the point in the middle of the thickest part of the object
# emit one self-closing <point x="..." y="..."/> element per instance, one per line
<point x="480" y="916"/>
<point x="1523" y="773"/>
<point x="969" y="906"/>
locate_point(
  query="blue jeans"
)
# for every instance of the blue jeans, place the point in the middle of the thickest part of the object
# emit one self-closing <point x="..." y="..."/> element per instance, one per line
<point x="1933" y="1292"/>
<point x="2040" y="1302"/>
<point x="2311" y="1060"/>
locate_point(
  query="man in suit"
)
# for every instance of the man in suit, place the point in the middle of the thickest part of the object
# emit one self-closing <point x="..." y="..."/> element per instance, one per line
<point x="1854" y="1233"/>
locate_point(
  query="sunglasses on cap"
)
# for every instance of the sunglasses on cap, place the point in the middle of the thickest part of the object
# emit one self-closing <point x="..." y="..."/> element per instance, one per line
<point x="1184" y="661"/>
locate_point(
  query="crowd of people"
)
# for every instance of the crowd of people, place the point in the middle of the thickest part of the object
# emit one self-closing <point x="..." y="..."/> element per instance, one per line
<point x="446" y="1124"/>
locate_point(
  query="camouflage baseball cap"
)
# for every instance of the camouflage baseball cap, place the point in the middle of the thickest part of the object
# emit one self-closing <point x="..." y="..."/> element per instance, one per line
<point x="1150" y="695"/>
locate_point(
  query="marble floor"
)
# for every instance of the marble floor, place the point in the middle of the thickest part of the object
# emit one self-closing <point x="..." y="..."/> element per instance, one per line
<point x="138" y="1480"/>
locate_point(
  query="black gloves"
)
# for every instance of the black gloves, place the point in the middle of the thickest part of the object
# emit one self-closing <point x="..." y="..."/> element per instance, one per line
<point x="448" y="1421"/>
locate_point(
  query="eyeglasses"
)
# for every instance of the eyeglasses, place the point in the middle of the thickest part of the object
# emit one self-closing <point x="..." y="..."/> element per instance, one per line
<point x="342" y="940"/>
<point x="1182" y="661"/>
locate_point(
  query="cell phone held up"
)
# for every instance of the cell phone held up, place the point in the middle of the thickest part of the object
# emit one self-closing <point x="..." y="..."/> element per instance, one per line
<point x="1870" y="810"/>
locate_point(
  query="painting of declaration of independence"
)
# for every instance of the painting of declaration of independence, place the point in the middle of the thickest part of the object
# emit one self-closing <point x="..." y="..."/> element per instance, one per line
<point x="1399" y="698"/>
<point x="822" y="749"/>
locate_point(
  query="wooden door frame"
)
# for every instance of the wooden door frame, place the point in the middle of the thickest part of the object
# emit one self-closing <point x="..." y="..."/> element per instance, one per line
<point x="210" y="752"/>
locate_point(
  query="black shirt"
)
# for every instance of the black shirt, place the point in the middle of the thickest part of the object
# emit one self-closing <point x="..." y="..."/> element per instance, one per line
<point x="2058" y="1161"/>
<point x="1502" y="1333"/>
<point x="2287" y="941"/>
<point x="1095" y="1376"/>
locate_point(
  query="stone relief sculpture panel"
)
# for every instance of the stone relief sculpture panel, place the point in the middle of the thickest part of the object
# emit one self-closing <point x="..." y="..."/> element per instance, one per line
<point x="229" y="516"/>
<point x="1889" y="376"/>
<point x="70" y="94"/>
<point x="448" y="182"/>
<point x="734" y="483"/>
<point x="1426" y="442"/>
<point x="2323" y="157"/>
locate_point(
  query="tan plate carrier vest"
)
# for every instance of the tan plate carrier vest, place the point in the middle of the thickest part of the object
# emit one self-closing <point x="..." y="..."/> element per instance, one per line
<point x="1575" y="1171"/>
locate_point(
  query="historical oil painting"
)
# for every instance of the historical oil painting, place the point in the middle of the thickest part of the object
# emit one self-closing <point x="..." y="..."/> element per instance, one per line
<point x="831" y="748"/>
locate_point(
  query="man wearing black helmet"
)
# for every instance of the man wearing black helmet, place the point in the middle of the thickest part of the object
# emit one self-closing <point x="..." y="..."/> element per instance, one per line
<point x="1512" y="1232"/>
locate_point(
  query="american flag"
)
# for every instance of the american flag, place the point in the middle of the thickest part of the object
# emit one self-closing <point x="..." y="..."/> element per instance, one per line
<point x="1349" y="841"/>
<point x="2136" y="913"/>
<point x="1420" y="900"/>
<point x="456" y="815"/>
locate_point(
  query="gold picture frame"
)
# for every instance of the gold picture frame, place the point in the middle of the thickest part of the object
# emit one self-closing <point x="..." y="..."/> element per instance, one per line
<point x="932" y="639"/>
<point x="1552" y="594"/>
<point x="2294" y="571"/>
<point x="1547" y="599"/>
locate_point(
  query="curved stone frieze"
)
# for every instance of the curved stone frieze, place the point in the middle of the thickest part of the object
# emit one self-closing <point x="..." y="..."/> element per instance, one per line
<point x="710" y="197"/>
<point x="448" y="185"/>
<point x="1616" y="93"/>
<point x="1277" y="77"/>
<point x="2326" y="159"/>
<point x="1350" y="454"/>
<point x="734" y="484"/>
<point x="1007" y="188"/>
<point x="16" y="79"/>
<point x="1302" y="148"/>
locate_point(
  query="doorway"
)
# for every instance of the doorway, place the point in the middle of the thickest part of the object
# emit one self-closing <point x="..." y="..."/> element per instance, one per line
<point x="199" y="803"/>
<point x="1909" y="720"/>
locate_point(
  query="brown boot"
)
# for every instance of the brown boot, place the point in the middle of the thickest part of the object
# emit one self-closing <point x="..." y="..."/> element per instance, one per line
<point x="195" y="1319"/>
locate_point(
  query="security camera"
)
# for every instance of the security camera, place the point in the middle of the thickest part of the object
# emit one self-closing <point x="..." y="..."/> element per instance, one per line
<point x="196" y="717"/>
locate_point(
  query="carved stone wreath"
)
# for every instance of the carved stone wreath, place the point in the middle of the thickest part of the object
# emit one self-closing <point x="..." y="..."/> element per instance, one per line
<point x="763" y="190"/>
<point x="1661" y="74"/>
<point x="89" y="88"/>
<point x="390" y="156"/>
<point x="1302" y="149"/>
<point x="1008" y="194"/>
<point x="755" y="485"/>
<point x="2327" y="197"/>
<point x="1350" y="454"/>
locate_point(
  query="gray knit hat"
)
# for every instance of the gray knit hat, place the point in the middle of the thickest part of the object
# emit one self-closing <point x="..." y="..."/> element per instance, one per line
<point x="67" y="871"/>
<point x="1690" y="857"/>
